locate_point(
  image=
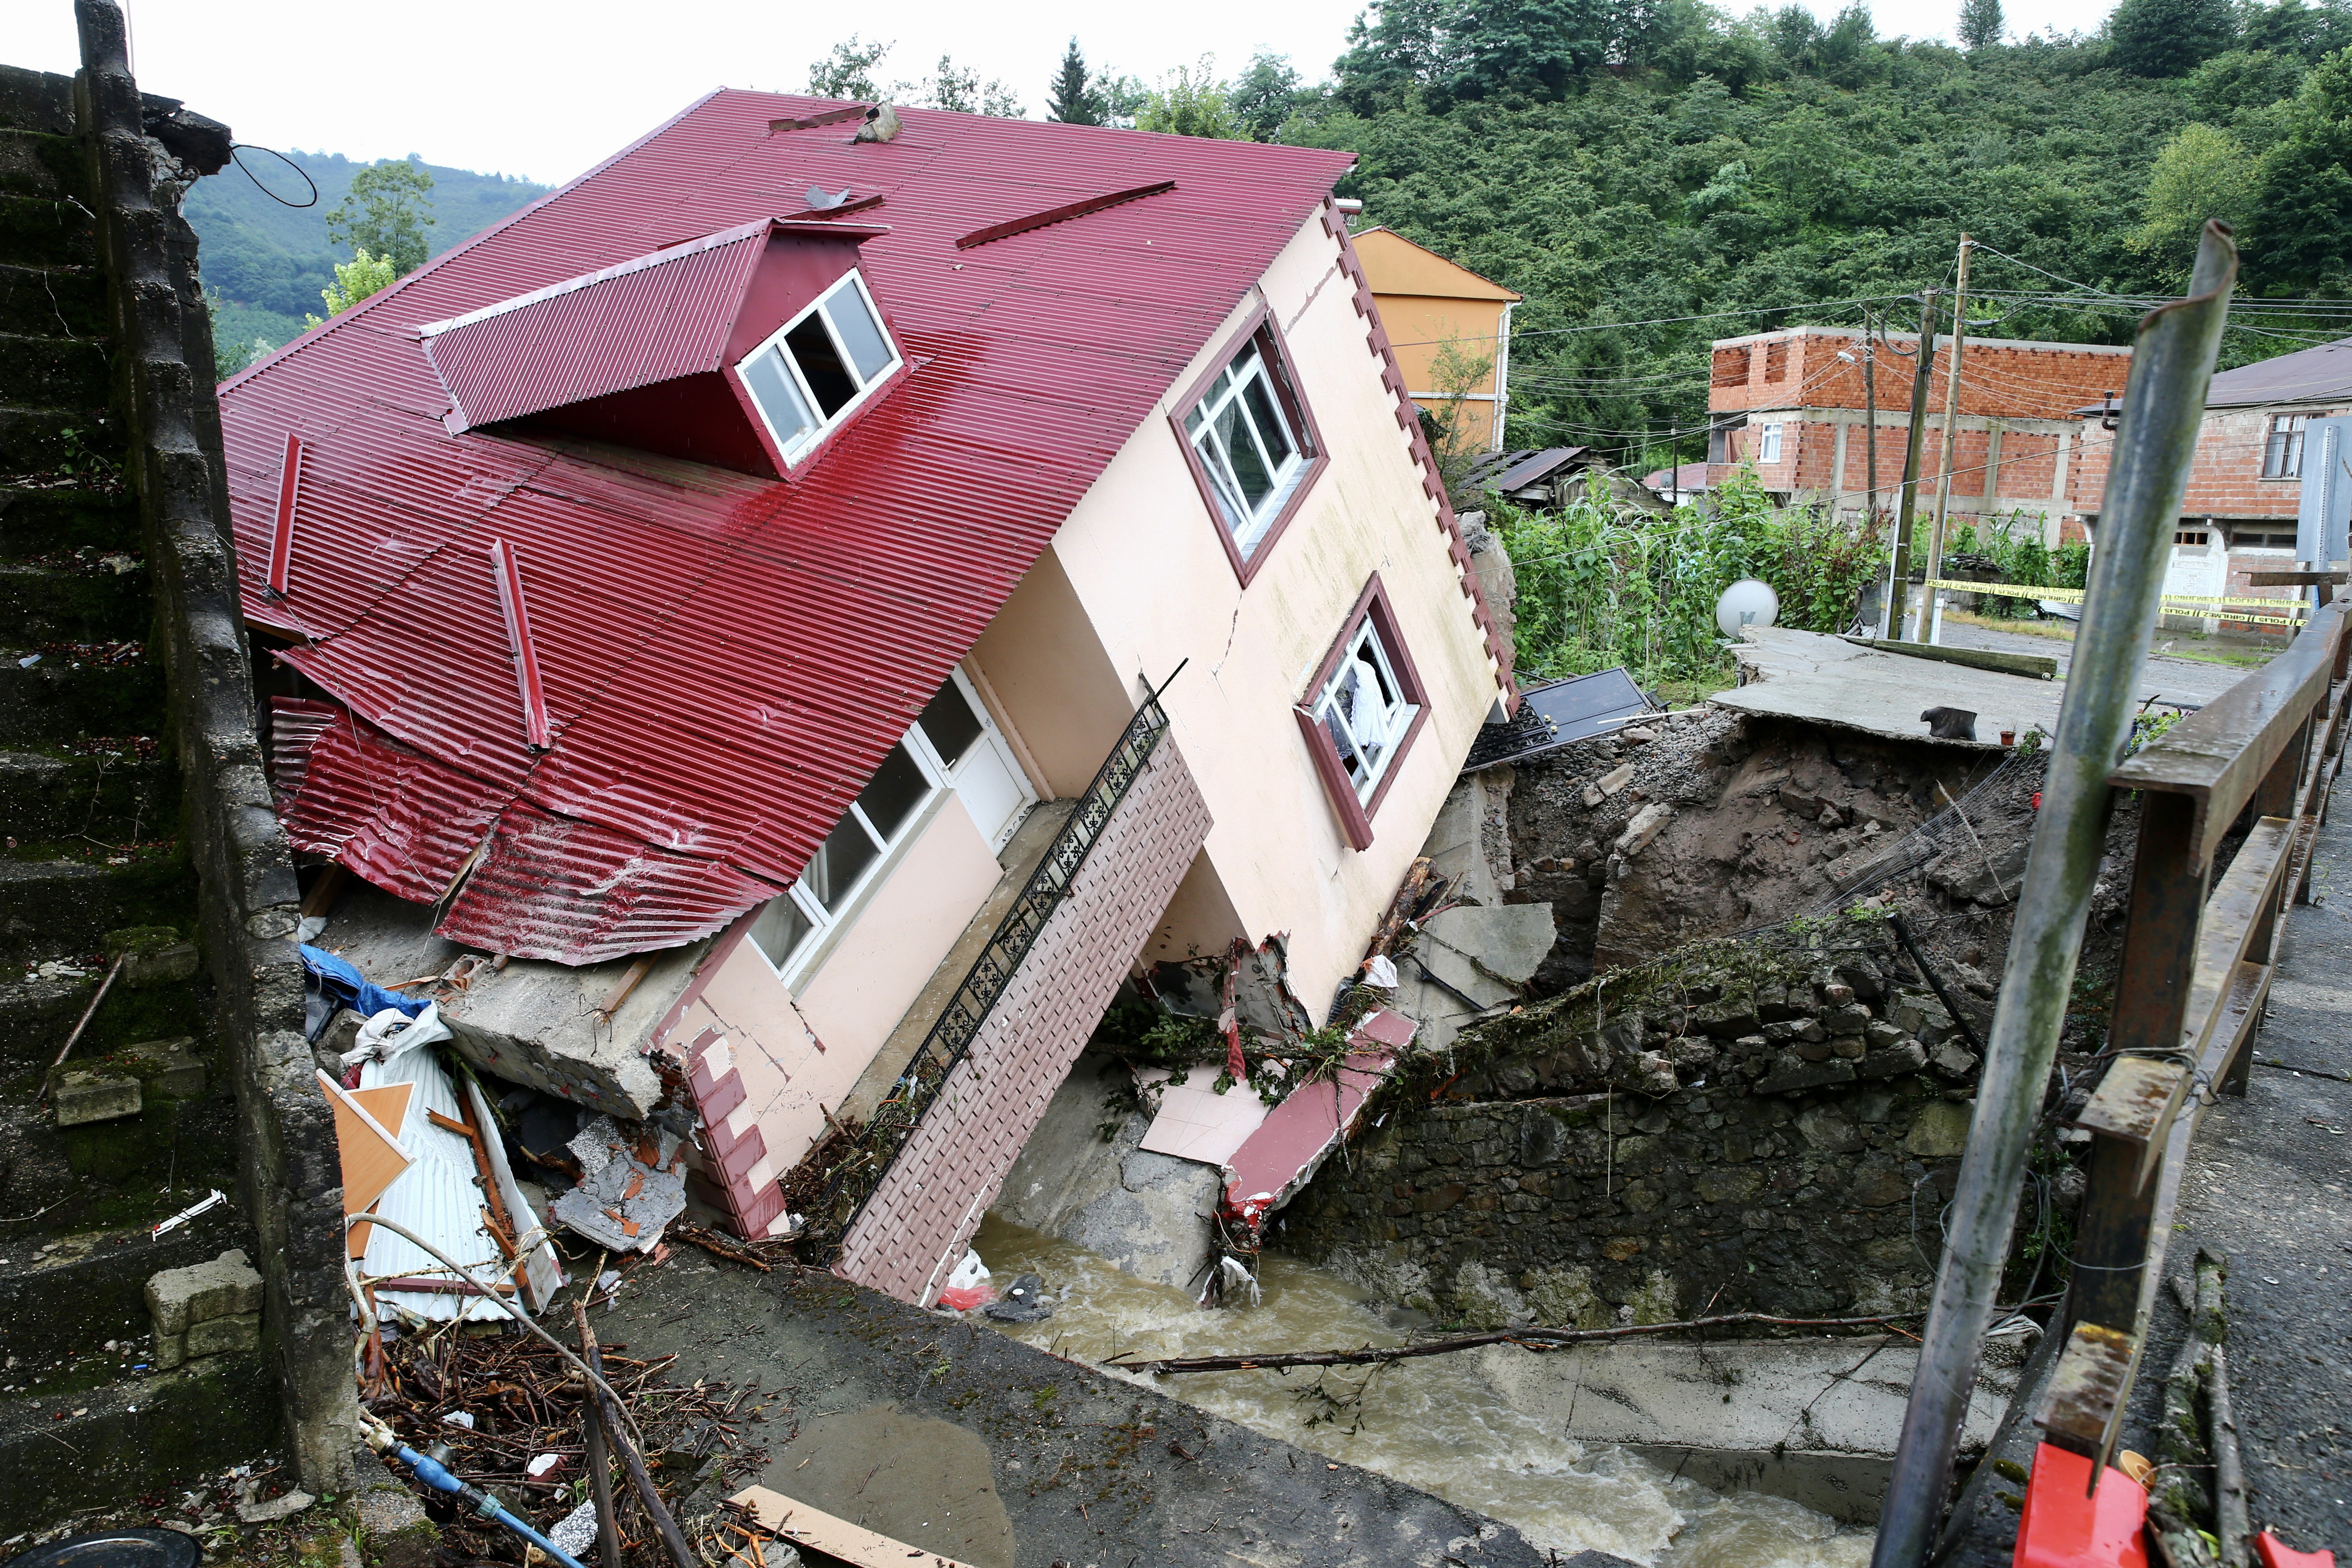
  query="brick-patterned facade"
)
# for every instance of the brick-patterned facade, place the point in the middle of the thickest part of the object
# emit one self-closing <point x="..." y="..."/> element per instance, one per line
<point x="921" y="1217"/>
<point x="2018" y="441"/>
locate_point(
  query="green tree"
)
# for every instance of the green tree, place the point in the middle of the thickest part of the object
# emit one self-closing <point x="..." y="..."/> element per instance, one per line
<point x="2303" y="213"/>
<point x="388" y="210"/>
<point x="1981" y="24"/>
<point x="2202" y="172"/>
<point x="1072" y="98"/>
<point x="1192" y="102"/>
<point x="1123" y="98"/>
<point x="1533" y="48"/>
<point x="354" y="281"/>
<point x="2291" y="27"/>
<point x="848" y="70"/>
<point x="1395" y="49"/>
<point x="2168" y="38"/>
<point x="1260" y="98"/>
<point x="959" y="89"/>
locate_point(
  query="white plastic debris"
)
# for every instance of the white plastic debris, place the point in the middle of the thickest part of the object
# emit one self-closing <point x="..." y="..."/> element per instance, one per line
<point x="538" y="1467"/>
<point x="311" y="928"/>
<point x="1236" y="1274"/>
<point x="190" y="1212"/>
<point x="1382" y="973"/>
<point x="969" y="1273"/>
<point x="391" y="1032"/>
<point x="459" y="1418"/>
<point x="575" y="1532"/>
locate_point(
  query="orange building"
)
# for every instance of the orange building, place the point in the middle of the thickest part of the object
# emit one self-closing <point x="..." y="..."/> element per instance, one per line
<point x="1425" y="302"/>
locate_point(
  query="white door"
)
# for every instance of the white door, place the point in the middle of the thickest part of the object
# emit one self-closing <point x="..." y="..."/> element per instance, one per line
<point x="978" y="760"/>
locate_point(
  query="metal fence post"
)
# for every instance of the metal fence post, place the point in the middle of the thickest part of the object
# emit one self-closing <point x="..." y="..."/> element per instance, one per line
<point x="2164" y="403"/>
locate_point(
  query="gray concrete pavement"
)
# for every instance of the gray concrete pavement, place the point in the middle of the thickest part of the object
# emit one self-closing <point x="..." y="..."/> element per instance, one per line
<point x="2187" y="681"/>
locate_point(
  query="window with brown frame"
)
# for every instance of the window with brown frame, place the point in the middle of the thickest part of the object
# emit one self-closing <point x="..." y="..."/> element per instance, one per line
<point x="1250" y="444"/>
<point x="1362" y="711"/>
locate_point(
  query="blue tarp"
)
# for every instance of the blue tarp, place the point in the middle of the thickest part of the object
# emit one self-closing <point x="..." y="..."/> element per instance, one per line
<point x="333" y="984"/>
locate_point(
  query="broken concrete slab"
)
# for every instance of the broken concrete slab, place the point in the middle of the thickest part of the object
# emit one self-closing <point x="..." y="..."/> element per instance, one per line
<point x="1647" y="823"/>
<point x="1469" y="844"/>
<point x="80" y="1095"/>
<point x="630" y="1187"/>
<point x="1826" y="680"/>
<point x="1487" y="953"/>
<point x="166" y="1069"/>
<point x="533" y="1022"/>
<point x="185" y="1306"/>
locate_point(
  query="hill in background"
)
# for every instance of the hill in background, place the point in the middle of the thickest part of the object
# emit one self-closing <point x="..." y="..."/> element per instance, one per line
<point x="265" y="263"/>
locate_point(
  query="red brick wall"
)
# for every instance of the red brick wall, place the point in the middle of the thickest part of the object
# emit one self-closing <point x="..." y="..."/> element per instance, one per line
<point x="2224" y="480"/>
<point x="920" y="1219"/>
<point x="2036" y="382"/>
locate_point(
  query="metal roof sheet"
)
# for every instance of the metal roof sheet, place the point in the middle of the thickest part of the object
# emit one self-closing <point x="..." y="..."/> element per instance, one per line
<point x="725" y="659"/>
<point x="2320" y="374"/>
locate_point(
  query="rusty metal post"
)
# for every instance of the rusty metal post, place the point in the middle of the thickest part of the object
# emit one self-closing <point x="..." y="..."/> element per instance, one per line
<point x="2164" y="403"/>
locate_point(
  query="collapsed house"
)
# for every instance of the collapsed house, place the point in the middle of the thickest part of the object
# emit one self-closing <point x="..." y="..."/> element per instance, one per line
<point x="773" y="666"/>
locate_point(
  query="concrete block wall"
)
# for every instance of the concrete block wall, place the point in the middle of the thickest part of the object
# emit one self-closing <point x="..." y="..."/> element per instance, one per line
<point x="2226" y="479"/>
<point x="291" y="1182"/>
<point x="921" y="1218"/>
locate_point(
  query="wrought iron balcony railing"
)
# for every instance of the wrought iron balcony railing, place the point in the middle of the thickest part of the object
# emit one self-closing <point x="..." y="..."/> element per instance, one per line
<point x="853" y="1179"/>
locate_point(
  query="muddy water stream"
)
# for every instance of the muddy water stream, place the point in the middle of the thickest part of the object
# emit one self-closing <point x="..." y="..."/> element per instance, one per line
<point x="1433" y="1424"/>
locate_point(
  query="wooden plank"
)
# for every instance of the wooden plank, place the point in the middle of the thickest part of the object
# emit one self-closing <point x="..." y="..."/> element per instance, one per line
<point x="2134" y="1104"/>
<point x="804" y="1526"/>
<point x="2087" y="1390"/>
<point x="2219" y="754"/>
<point x="2231" y="917"/>
<point x="2042" y="666"/>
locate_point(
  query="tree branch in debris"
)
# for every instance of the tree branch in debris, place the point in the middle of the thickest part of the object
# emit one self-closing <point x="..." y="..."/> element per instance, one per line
<point x="1530" y="1338"/>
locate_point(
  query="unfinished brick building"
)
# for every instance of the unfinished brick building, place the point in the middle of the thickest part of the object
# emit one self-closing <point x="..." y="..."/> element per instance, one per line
<point x="1792" y="402"/>
<point x="2266" y="426"/>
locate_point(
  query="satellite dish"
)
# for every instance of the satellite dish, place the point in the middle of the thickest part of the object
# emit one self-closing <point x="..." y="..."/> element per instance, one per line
<point x="1746" y="603"/>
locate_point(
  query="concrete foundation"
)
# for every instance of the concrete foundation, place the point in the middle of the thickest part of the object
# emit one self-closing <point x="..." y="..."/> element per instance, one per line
<point x="1148" y="1214"/>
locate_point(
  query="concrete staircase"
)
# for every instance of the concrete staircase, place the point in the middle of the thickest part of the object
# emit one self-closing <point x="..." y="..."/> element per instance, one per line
<point x="92" y="863"/>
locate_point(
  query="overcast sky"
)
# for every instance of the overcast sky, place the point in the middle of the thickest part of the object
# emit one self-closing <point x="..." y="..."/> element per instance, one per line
<point x="545" y="90"/>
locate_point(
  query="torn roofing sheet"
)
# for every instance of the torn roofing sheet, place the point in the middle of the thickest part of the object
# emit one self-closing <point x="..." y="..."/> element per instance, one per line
<point x="725" y="659"/>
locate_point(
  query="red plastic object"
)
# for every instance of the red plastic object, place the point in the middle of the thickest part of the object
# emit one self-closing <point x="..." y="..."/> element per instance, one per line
<point x="965" y="1301"/>
<point x="2065" y="1528"/>
<point x="2037" y="800"/>
<point x="2276" y="1553"/>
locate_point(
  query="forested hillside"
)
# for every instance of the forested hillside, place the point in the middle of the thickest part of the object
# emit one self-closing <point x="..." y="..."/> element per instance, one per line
<point x="266" y="263"/>
<point x="1630" y="161"/>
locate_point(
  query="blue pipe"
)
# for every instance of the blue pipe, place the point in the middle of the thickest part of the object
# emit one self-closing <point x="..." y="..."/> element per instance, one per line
<point x="437" y="1475"/>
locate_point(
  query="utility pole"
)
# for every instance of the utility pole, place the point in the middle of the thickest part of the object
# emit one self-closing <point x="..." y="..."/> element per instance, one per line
<point x="1921" y="378"/>
<point x="1951" y="421"/>
<point x="1870" y="443"/>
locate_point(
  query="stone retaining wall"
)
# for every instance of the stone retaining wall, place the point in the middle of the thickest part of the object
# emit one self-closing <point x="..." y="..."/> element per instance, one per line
<point x="1740" y="1129"/>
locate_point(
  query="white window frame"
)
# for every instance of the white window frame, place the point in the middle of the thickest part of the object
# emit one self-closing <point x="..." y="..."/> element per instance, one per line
<point x="2283" y="439"/>
<point x="823" y="923"/>
<point x="796" y="447"/>
<point x="1767" y="444"/>
<point x="1397" y="721"/>
<point x="1247" y="527"/>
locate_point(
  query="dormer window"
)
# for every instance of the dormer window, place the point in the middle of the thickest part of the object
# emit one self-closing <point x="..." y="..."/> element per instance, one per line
<point x="818" y="366"/>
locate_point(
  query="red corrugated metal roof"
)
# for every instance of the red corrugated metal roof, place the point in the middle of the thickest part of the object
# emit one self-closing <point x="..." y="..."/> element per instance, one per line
<point x="725" y="659"/>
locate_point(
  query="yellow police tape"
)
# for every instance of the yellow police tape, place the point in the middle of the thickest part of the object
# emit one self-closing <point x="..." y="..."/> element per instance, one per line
<point x="2281" y="612"/>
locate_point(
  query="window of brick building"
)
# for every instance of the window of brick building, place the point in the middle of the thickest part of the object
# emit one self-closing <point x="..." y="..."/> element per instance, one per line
<point x="1776" y="361"/>
<point x="2283" y="452"/>
<point x="1731" y="366"/>
<point x="1768" y="444"/>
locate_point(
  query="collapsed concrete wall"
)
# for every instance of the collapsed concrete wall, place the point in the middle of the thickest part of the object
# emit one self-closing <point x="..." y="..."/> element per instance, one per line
<point x="1745" y="1126"/>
